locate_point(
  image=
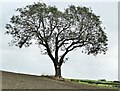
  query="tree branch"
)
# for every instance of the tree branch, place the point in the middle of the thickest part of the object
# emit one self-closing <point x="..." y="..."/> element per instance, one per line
<point x="49" y="53"/>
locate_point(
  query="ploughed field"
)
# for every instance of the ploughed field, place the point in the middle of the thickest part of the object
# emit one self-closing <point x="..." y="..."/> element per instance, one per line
<point x="23" y="81"/>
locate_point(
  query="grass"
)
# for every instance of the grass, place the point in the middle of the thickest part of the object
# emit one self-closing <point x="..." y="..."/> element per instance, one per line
<point x="99" y="83"/>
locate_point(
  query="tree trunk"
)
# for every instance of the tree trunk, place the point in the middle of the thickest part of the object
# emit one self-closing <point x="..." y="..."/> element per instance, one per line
<point x="58" y="71"/>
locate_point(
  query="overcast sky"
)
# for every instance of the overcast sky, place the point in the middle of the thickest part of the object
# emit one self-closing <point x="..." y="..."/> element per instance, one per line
<point x="30" y="61"/>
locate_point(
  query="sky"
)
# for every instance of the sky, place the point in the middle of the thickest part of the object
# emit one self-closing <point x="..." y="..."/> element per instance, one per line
<point x="80" y="66"/>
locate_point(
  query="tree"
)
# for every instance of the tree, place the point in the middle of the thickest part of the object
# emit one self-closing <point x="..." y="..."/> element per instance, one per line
<point x="54" y="31"/>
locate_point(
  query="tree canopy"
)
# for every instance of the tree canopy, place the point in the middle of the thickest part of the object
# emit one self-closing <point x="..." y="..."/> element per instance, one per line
<point x="54" y="30"/>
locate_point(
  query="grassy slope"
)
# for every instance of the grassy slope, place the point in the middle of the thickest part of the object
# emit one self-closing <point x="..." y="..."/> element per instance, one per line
<point x="22" y="81"/>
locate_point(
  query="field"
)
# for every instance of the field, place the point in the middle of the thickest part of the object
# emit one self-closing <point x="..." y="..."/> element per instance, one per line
<point x="99" y="83"/>
<point x="24" y="81"/>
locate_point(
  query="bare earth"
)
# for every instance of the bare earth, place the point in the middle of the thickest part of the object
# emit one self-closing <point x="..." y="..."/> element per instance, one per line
<point x="22" y="81"/>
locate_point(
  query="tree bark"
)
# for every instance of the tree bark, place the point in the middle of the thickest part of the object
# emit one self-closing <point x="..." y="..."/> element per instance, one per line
<point x="58" y="71"/>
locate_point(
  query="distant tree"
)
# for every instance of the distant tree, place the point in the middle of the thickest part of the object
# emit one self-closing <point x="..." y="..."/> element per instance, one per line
<point x="54" y="31"/>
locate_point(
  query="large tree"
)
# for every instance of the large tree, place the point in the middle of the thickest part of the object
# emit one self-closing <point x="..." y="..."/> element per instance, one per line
<point x="55" y="31"/>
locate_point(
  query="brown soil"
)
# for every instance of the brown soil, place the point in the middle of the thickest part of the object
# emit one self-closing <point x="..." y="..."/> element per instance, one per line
<point x="22" y="81"/>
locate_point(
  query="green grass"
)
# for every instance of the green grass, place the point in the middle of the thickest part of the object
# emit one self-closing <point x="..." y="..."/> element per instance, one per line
<point x="100" y="83"/>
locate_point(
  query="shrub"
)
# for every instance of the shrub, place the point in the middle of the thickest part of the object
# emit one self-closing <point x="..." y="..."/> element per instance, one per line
<point x="101" y="80"/>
